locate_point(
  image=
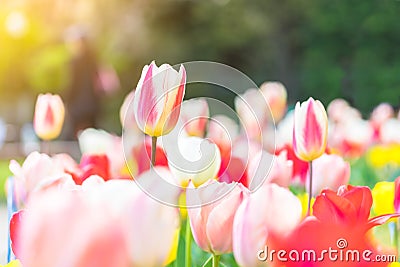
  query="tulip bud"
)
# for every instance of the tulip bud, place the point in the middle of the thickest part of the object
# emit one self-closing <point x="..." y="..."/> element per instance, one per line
<point x="310" y="130"/>
<point x="158" y="96"/>
<point x="276" y="96"/>
<point x="49" y="116"/>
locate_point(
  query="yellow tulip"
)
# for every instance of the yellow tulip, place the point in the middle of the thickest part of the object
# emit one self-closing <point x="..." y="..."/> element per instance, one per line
<point x="383" y="198"/>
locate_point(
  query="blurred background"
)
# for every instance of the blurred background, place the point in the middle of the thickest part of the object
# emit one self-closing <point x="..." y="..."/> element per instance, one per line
<point x="319" y="48"/>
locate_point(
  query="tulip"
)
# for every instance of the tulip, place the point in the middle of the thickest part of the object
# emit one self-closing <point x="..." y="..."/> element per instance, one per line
<point x="276" y="96"/>
<point x="193" y="159"/>
<point x="264" y="168"/>
<point x="341" y="221"/>
<point x="37" y="171"/>
<point x="389" y="132"/>
<point x="381" y="113"/>
<point x="195" y="115"/>
<point x="336" y="109"/>
<point x="49" y="116"/>
<point x="212" y="224"/>
<point x="158" y="96"/>
<point x="99" y="142"/>
<point x="310" y="130"/>
<point x="338" y="174"/>
<point x="270" y="211"/>
<point x="253" y="112"/>
<point x="127" y="115"/>
<point x="349" y="206"/>
<point x="105" y="217"/>
<point x="397" y="195"/>
<point x="383" y="198"/>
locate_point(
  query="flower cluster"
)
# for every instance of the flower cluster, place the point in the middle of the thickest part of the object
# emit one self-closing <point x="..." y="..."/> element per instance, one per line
<point x="232" y="188"/>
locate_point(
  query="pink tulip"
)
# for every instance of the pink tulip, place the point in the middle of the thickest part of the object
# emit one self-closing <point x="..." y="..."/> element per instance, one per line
<point x="264" y="168"/>
<point x="336" y="109"/>
<point x="195" y="115"/>
<point x="126" y="113"/>
<point x="390" y="132"/>
<point x="49" y="116"/>
<point x="338" y="174"/>
<point x="105" y="218"/>
<point x="212" y="224"/>
<point x="276" y="96"/>
<point x="397" y="195"/>
<point x="38" y="171"/>
<point x="381" y="113"/>
<point x="310" y="130"/>
<point x="270" y="211"/>
<point x="253" y="112"/>
<point x="158" y="96"/>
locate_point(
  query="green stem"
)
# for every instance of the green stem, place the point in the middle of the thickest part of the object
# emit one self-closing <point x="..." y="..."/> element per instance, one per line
<point x="153" y="150"/>
<point x="207" y="261"/>
<point x="215" y="260"/>
<point x="188" y="244"/>
<point x="309" y="189"/>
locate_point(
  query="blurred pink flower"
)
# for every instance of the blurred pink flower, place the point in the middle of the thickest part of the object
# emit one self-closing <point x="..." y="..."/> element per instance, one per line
<point x="253" y="112"/>
<point x="270" y="211"/>
<point x="212" y="224"/>
<point x="127" y="115"/>
<point x="158" y="96"/>
<point x="276" y="96"/>
<point x="38" y="171"/>
<point x="381" y="113"/>
<point x="338" y="174"/>
<point x="280" y="172"/>
<point x="390" y="131"/>
<point x="105" y="218"/>
<point x="194" y="115"/>
<point x="336" y="109"/>
<point x="310" y="130"/>
<point x="49" y="116"/>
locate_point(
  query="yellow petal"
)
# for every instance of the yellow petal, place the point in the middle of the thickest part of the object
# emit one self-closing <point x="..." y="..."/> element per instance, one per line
<point x="15" y="263"/>
<point x="304" y="204"/>
<point x="174" y="249"/>
<point x="383" y="197"/>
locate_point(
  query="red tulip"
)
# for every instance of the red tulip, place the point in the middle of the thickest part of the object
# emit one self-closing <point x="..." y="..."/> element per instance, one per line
<point x="49" y="116"/>
<point x="310" y="130"/>
<point x="350" y="206"/>
<point x="142" y="154"/>
<point x="158" y="97"/>
<point x="340" y="223"/>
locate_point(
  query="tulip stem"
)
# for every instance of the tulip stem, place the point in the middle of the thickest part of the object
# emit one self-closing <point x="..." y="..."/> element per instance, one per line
<point x="188" y="244"/>
<point x="153" y="150"/>
<point x="309" y="190"/>
<point x="215" y="261"/>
